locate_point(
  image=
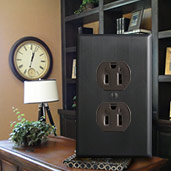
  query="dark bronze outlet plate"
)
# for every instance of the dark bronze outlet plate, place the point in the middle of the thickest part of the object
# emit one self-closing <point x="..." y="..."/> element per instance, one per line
<point x="114" y="105"/>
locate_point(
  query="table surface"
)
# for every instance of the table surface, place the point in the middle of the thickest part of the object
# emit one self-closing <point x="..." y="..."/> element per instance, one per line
<point x="52" y="154"/>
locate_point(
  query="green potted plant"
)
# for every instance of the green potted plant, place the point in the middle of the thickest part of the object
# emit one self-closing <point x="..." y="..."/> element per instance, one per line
<point x="74" y="102"/>
<point x="29" y="133"/>
<point x="86" y="5"/>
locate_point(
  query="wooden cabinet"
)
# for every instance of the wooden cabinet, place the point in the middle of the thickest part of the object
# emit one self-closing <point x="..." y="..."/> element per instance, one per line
<point x="68" y="123"/>
<point x="50" y="156"/>
<point x="106" y="14"/>
<point x="7" y="166"/>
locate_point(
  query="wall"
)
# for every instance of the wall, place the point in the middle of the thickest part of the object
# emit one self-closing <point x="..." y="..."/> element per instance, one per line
<point x="20" y="18"/>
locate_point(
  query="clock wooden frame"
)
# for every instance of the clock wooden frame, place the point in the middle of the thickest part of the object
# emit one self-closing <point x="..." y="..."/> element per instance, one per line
<point x="13" y="52"/>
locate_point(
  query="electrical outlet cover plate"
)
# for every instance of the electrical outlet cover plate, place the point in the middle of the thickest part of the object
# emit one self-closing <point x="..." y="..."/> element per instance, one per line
<point x="114" y="118"/>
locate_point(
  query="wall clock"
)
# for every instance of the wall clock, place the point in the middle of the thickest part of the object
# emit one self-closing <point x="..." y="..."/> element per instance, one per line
<point x="30" y="59"/>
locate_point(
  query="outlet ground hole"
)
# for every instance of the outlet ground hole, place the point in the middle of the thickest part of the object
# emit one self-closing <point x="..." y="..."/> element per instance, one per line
<point x="113" y="66"/>
<point x="113" y="107"/>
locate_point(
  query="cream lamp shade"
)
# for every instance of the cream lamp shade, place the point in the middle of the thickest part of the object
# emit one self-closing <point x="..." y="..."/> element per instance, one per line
<point x="40" y="91"/>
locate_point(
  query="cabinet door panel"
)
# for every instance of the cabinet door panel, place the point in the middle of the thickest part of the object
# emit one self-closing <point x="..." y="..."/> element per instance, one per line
<point x="7" y="166"/>
<point x="69" y="126"/>
<point x="164" y="144"/>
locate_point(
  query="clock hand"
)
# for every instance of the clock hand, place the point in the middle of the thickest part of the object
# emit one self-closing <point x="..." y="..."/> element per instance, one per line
<point x="32" y="59"/>
<point x="35" y="50"/>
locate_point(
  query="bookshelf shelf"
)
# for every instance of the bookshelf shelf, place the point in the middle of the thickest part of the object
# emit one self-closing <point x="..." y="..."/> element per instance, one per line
<point x="71" y="81"/>
<point x="117" y="4"/>
<point x="91" y="13"/>
<point x="68" y="112"/>
<point x="126" y="6"/>
<point x="164" y="78"/>
<point x="70" y="49"/>
<point x="164" y="34"/>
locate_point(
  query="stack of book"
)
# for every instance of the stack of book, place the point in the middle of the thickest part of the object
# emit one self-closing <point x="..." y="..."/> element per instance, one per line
<point x="122" y="25"/>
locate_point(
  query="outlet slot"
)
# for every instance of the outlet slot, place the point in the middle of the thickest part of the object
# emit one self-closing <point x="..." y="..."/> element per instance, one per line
<point x="106" y="120"/>
<point x="119" y="120"/>
<point x="113" y="66"/>
<point x="119" y="79"/>
<point x="113" y="107"/>
<point x="106" y="79"/>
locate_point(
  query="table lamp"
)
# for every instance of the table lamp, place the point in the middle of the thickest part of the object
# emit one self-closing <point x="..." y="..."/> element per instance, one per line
<point x="42" y="92"/>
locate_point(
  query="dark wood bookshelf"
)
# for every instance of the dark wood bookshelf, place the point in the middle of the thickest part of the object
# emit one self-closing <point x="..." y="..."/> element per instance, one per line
<point x="106" y="14"/>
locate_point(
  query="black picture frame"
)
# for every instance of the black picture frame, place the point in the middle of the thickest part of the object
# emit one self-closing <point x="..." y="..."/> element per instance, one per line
<point x="135" y="21"/>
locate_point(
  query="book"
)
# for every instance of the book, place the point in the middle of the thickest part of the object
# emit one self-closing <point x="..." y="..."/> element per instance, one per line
<point x="125" y="24"/>
<point x="74" y="69"/>
<point x="122" y="25"/>
<point x="94" y="25"/>
<point x="117" y="24"/>
<point x="85" y="30"/>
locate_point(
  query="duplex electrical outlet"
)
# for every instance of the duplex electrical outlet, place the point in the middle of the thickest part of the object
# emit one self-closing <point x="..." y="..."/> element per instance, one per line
<point x="114" y="96"/>
<point x="113" y="116"/>
<point x="113" y="75"/>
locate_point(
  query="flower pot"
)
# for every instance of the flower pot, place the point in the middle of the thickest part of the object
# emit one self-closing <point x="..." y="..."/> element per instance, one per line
<point x="89" y="6"/>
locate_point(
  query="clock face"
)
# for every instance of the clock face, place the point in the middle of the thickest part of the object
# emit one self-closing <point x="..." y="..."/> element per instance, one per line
<point x="31" y="59"/>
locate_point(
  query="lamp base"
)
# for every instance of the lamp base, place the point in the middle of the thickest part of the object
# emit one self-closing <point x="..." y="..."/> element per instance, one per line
<point x="43" y="109"/>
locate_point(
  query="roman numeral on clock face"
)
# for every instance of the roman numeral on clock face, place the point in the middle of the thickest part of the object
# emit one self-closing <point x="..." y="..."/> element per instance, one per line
<point x="25" y="48"/>
<point x="20" y="53"/>
<point x="36" y="49"/>
<point x="20" y="66"/>
<point x="19" y="59"/>
<point x="41" y="67"/>
<point x="25" y="71"/>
